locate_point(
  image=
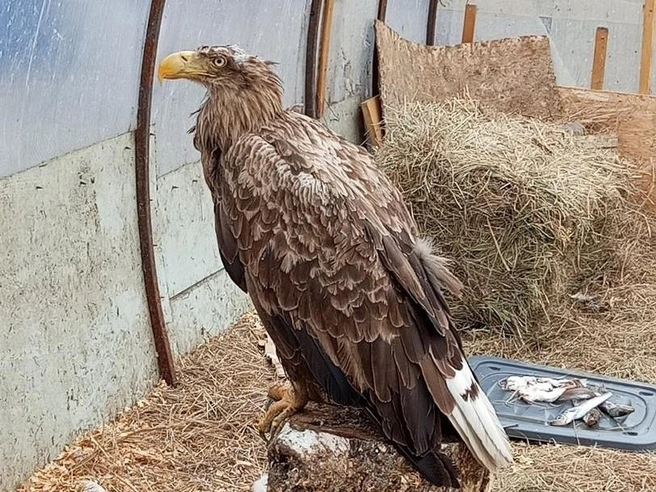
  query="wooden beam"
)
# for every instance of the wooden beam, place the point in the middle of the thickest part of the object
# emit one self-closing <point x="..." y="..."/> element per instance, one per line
<point x="324" y="56"/>
<point x="647" y="47"/>
<point x="599" y="58"/>
<point x="431" y="25"/>
<point x="373" y="120"/>
<point x="469" y="26"/>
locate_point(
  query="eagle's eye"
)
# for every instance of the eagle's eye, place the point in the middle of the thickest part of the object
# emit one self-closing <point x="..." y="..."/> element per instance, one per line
<point x="220" y="61"/>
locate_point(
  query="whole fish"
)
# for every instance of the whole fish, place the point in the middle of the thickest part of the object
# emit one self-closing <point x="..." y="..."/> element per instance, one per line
<point x="565" y="383"/>
<point x="534" y="394"/>
<point x="515" y="383"/>
<point x="577" y="393"/>
<point x="577" y="412"/>
<point x="591" y="418"/>
<point x="614" y="410"/>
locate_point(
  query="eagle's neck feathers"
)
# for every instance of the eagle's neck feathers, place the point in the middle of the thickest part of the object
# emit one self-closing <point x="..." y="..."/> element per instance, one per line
<point x="239" y="106"/>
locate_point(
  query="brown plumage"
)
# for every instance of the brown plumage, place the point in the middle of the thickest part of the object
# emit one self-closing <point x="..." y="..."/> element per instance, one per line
<point x="328" y="252"/>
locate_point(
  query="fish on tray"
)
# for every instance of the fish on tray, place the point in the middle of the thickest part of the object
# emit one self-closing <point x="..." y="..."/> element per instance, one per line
<point x="533" y="394"/>
<point x="579" y="411"/>
<point x="614" y="410"/>
<point x="515" y="383"/>
<point x="591" y="419"/>
<point x="578" y="393"/>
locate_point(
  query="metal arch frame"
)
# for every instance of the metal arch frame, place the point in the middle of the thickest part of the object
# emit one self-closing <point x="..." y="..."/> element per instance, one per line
<point x="165" y="360"/>
<point x="311" y="50"/>
<point x="381" y="16"/>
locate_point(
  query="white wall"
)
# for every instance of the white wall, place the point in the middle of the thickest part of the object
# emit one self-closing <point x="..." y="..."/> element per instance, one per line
<point x="200" y="299"/>
<point x="75" y="338"/>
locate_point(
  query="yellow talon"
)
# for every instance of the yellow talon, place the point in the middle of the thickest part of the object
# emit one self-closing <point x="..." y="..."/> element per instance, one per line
<point x="283" y="403"/>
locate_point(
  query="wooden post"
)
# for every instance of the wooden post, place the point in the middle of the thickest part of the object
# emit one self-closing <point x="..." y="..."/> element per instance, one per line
<point x="647" y="47"/>
<point x="382" y="10"/>
<point x="324" y="56"/>
<point x="469" y="26"/>
<point x="373" y="120"/>
<point x="599" y="59"/>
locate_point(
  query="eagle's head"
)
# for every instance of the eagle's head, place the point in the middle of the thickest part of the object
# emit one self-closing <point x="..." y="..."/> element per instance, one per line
<point x="244" y="91"/>
<point x="216" y="67"/>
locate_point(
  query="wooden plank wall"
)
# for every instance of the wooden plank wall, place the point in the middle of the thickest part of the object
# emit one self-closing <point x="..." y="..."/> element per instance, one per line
<point x="514" y="75"/>
<point x="632" y="117"/>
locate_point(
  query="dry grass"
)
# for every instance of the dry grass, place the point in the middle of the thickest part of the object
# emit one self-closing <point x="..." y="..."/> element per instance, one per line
<point x="530" y="214"/>
<point x="577" y="469"/>
<point x="199" y="436"/>
<point x="525" y="209"/>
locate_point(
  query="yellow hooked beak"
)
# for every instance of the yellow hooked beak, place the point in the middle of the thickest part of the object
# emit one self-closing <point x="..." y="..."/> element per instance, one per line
<point x="180" y="65"/>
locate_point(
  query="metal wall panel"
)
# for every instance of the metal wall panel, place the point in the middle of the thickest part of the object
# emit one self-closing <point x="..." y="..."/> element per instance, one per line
<point x="69" y="76"/>
<point x="350" y="68"/>
<point x="273" y="30"/>
<point x="409" y="18"/>
<point x="571" y="26"/>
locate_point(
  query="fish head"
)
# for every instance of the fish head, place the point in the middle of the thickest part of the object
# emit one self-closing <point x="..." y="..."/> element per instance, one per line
<point x="561" y="419"/>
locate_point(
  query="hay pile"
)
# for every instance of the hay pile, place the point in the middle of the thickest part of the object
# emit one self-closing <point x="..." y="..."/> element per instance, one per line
<point x="527" y="210"/>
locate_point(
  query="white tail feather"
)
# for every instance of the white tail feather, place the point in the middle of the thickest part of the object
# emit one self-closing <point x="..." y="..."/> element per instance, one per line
<point x="477" y="423"/>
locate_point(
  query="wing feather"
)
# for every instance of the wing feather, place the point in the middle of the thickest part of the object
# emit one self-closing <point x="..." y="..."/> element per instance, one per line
<point x="329" y="248"/>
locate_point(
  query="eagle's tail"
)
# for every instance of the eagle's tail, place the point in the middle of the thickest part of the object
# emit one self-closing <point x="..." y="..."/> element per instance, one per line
<point x="473" y="415"/>
<point x="434" y="466"/>
<point x="476" y="422"/>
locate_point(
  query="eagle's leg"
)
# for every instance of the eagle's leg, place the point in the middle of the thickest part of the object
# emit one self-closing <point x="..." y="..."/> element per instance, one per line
<point x="288" y="401"/>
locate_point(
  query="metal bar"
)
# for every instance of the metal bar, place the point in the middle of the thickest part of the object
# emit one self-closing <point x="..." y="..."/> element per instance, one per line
<point x="311" y="58"/>
<point x="324" y="55"/>
<point x="431" y="25"/>
<point x="469" y="26"/>
<point x="142" y="157"/>
<point x="599" y="59"/>
<point x="647" y="54"/>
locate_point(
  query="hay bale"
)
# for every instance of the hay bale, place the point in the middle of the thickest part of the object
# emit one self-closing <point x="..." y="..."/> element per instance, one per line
<point x="526" y="209"/>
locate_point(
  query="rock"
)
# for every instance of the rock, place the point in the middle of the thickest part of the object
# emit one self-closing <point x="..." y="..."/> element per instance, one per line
<point x="262" y="484"/>
<point x="331" y="449"/>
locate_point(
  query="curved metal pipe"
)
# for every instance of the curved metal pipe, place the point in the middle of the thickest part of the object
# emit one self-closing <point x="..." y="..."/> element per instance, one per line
<point x="311" y="58"/>
<point x="142" y="159"/>
<point x="382" y="15"/>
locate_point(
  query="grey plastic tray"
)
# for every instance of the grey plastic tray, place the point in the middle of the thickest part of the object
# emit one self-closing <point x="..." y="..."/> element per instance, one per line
<point x="531" y="422"/>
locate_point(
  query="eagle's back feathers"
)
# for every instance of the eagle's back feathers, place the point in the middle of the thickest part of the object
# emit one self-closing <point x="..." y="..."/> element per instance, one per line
<point x="354" y="301"/>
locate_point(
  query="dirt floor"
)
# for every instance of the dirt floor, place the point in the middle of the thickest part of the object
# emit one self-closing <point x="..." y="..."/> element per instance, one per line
<point x="200" y="436"/>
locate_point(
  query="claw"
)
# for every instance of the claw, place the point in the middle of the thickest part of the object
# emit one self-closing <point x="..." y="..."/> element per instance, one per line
<point x="281" y="404"/>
